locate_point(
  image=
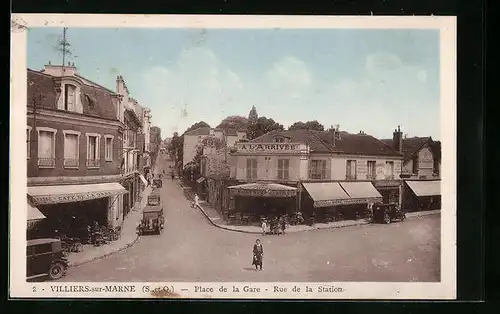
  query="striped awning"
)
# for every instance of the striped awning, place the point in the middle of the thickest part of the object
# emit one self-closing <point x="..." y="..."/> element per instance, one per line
<point x="326" y="194"/>
<point x="55" y="194"/>
<point x="425" y="188"/>
<point x="364" y="192"/>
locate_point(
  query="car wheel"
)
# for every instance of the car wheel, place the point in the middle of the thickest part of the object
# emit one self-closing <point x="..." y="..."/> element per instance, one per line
<point x="403" y="217"/>
<point x="387" y="219"/>
<point x="56" y="271"/>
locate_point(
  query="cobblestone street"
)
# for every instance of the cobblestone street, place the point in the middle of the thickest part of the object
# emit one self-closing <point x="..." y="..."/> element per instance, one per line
<point x="190" y="249"/>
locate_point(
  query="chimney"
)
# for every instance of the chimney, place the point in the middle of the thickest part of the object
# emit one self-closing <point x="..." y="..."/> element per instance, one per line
<point x="397" y="140"/>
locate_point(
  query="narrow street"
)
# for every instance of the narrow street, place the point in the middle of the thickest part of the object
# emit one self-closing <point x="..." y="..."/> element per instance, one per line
<point x="190" y="249"/>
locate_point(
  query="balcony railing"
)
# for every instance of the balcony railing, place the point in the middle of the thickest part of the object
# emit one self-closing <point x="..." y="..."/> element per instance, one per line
<point x="93" y="163"/>
<point x="71" y="162"/>
<point x="46" y="162"/>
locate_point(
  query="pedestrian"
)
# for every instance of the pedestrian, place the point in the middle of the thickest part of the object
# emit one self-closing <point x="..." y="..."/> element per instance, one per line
<point x="283" y="225"/>
<point x="258" y="254"/>
<point x="264" y="227"/>
<point x="173" y="176"/>
<point x="196" y="201"/>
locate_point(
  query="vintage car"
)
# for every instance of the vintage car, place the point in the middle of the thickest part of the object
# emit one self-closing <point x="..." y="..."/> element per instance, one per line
<point x="44" y="257"/>
<point x="387" y="213"/>
<point x="152" y="216"/>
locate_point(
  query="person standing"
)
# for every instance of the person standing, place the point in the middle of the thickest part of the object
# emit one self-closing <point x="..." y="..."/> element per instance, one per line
<point x="196" y="201"/>
<point x="258" y="255"/>
<point x="283" y="224"/>
<point x="264" y="227"/>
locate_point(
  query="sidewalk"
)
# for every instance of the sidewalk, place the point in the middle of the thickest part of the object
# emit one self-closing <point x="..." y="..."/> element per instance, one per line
<point x="128" y="237"/>
<point x="215" y="218"/>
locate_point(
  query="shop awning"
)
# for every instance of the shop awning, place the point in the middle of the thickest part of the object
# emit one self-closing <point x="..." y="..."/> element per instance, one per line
<point x="425" y="188"/>
<point x="34" y="214"/>
<point x="200" y="179"/>
<point x="55" y="194"/>
<point x="263" y="190"/>
<point x="363" y="192"/>
<point x="143" y="179"/>
<point x="325" y="194"/>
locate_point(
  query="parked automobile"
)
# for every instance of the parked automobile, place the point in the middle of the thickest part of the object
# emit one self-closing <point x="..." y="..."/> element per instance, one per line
<point x="44" y="257"/>
<point x="152" y="216"/>
<point x="387" y="213"/>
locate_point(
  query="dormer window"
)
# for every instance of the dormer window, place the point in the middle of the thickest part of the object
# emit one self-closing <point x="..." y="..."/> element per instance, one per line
<point x="90" y="101"/>
<point x="69" y="97"/>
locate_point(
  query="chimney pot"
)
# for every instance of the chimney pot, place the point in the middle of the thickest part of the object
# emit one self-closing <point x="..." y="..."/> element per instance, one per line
<point x="49" y="63"/>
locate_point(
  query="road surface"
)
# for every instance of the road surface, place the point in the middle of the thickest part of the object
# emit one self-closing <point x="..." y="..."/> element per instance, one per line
<point x="190" y="249"/>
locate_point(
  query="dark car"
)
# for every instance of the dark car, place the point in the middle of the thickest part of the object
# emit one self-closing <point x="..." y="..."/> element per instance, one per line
<point x="387" y="213"/>
<point x="44" y="257"/>
<point x="152" y="216"/>
<point x="157" y="183"/>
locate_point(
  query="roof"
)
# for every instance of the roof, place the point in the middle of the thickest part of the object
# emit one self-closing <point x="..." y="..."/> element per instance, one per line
<point x="411" y="145"/>
<point x="436" y="149"/>
<point x="206" y="131"/>
<point x="132" y="116"/>
<point x="96" y="101"/>
<point x="323" y="142"/>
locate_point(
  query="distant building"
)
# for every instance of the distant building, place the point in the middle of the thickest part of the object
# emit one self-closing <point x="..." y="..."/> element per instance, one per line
<point x="194" y="138"/>
<point x="421" y="170"/>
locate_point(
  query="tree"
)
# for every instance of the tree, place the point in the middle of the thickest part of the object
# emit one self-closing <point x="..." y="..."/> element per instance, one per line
<point x="262" y="126"/>
<point x="253" y="116"/>
<point x="212" y="141"/>
<point x="309" y="125"/>
<point x="233" y="123"/>
<point x="197" y="125"/>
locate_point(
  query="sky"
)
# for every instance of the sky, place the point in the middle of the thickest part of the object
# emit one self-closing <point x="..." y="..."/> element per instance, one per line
<point x="369" y="80"/>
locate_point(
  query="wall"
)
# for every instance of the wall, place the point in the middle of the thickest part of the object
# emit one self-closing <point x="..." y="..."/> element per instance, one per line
<point x="339" y="167"/>
<point x="189" y="150"/>
<point x="268" y="169"/>
<point x="425" y="165"/>
<point x="106" y="167"/>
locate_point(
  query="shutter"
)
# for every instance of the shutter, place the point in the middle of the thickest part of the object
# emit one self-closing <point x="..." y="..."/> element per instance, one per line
<point x="71" y="98"/>
<point x="249" y="168"/>
<point x="286" y="169"/>
<point x="254" y="169"/>
<point x="45" y="144"/>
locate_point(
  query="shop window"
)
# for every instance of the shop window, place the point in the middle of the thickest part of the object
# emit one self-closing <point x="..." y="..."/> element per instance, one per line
<point x="251" y="168"/>
<point x="46" y="147"/>
<point x="371" y="173"/>
<point x="283" y="169"/>
<point x="351" y="166"/>
<point x="317" y="169"/>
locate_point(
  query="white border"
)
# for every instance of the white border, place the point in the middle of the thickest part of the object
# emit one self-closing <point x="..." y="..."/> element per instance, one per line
<point x="446" y="289"/>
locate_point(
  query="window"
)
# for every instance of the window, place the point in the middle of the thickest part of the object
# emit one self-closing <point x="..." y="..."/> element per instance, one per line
<point x="279" y="140"/>
<point x="93" y="157"/>
<point x="46" y="147"/>
<point x="28" y="142"/>
<point x="69" y="97"/>
<point x="371" y="173"/>
<point x="283" y="166"/>
<point x="251" y="168"/>
<point x="351" y="170"/>
<point x="415" y="165"/>
<point x="71" y="149"/>
<point x="389" y="170"/>
<point x="317" y="169"/>
<point x="108" y="148"/>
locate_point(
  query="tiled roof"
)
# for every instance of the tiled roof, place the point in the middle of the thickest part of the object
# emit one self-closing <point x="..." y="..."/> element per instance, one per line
<point x="206" y="131"/>
<point x="436" y="149"/>
<point x="96" y="101"/>
<point x="322" y="142"/>
<point x="411" y="145"/>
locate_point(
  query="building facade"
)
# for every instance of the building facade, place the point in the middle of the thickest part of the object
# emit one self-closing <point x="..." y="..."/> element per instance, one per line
<point x="421" y="171"/>
<point x="73" y="142"/>
<point x="313" y="172"/>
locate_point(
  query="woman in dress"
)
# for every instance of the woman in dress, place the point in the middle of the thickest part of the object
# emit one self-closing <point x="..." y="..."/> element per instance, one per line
<point x="258" y="254"/>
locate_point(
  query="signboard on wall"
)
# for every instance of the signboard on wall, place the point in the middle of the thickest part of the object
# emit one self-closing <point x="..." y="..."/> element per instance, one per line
<point x="286" y="148"/>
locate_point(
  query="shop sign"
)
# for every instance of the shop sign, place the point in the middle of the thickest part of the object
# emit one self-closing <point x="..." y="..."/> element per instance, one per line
<point x="263" y="193"/>
<point x="69" y="198"/>
<point x="352" y="201"/>
<point x="270" y="147"/>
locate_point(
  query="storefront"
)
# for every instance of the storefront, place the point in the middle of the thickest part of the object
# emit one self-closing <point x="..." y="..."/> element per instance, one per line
<point x="69" y="209"/>
<point x="391" y="191"/>
<point x="262" y="199"/>
<point x="422" y="195"/>
<point x="330" y="200"/>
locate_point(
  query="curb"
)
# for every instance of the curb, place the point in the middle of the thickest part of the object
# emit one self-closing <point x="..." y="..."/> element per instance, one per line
<point x="106" y="255"/>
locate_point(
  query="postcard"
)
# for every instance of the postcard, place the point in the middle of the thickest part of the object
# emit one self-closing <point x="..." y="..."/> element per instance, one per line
<point x="233" y="157"/>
